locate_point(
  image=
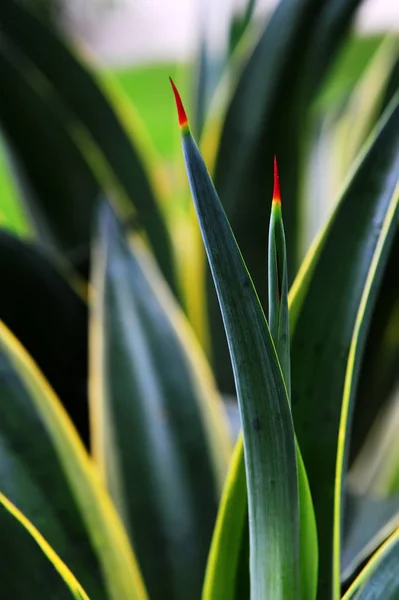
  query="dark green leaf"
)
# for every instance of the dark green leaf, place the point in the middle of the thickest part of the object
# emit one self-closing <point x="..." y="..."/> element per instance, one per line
<point x="83" y="95"/>
<point x="227" y="574"/>
<point x="376" y="468"/>
<point x="47" y="474"/>
<point x="392" y="85"/>
<point x="29" y="567"/>
<point x="266" y="116"/>
<point x="272" y="486"/>
<point x="368" y="522"/>
<point x="350" y="258"/>
<point x="320" y="350"/>
<point x="49" y="317"/>
<point x="158" y="430"/>
<point x="379" y="578"/>
<point x="59" y="183"/>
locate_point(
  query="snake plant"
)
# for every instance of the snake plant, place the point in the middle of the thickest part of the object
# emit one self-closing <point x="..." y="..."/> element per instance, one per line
<point x="120" y="475"/>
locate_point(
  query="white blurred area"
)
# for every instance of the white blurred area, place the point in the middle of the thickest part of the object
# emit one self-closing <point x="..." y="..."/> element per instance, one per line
<point x="135" y="31"/>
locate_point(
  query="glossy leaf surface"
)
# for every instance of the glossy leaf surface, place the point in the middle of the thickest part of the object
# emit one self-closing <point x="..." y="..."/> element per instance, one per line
<point x="49" y="316"/>
<point x="158" y="428"/>
<point x="87" y="101"/>
<point x="47" y="474"/>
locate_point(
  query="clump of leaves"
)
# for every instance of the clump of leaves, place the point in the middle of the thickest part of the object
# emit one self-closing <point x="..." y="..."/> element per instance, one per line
<point x="149" y="499"/>
<point x="283" y="546"/>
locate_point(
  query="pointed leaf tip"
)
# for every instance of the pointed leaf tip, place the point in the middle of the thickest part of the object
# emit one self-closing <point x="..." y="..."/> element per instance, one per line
<point x="183" y="121"/>
<point x="276" y="190"/>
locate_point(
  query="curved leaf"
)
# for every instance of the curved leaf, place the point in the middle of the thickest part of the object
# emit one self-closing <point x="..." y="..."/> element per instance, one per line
<point x="52" y="325"/>
<point x="363" y="317"/>
<point x="47" y="474"/>
<point x="87" y="99"/>
<point x="318" y="350"/>
<point x="58" y="170"/>
<point x="29" y="567"/>
<point x="158" y="430"/>
<point x="273" y="501"/>
<point x="12" y="215"/>
<point x="266" y="116"/>
<point x="379" y="371"/>
<point x="376" y="469"/>
<point x="379" y="578"/>
<point x="278" y="285"/>
<point x="363" y="105"/>
<point x="368" y="522"/>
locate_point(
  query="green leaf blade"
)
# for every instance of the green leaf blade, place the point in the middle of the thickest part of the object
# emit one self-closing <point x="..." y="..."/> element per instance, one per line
<point x="150" y="383"/>
<point x="368" y="523"/>
<point x="48" y="475"/>
<point x="226" y="557"/>
<point x="89" y="105"/>
<point x="269" y="107"/>
<point x="268" y="431"/>
<point x="360" y="230"/>
<point x="29" y="567"/>
<point x="52" y="326"/>
<point x="28" y="115"/>
<point x="278" y="284"/>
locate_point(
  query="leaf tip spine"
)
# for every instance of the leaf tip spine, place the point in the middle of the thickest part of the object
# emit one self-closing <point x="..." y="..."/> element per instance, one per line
<point x="276" y="188"/>
<point x="181" y="113"/>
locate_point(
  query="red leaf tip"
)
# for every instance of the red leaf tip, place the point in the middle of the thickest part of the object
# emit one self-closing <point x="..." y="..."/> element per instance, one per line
<point x="183" y="121"/>
<point x="276" y="189"/>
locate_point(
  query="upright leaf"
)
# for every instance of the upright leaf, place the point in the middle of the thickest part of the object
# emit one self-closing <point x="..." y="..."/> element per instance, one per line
<point x="379" y="578"/>
<point x="227" y="573"/>
<point x="379" y="370"/>
<point x="278" y="285"/>
<point x="158" y="430"/>
<point x="349" y="258"/>
<point x="226" y="566"/>
<point x="59" y="170"/>
<point x="272" y="485"/>
<point x="341" y="258"/>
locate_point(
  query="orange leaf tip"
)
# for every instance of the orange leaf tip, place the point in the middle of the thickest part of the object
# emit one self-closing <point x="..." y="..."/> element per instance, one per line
<point x="183" y="121"/>
<point x="276" y="189"/>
